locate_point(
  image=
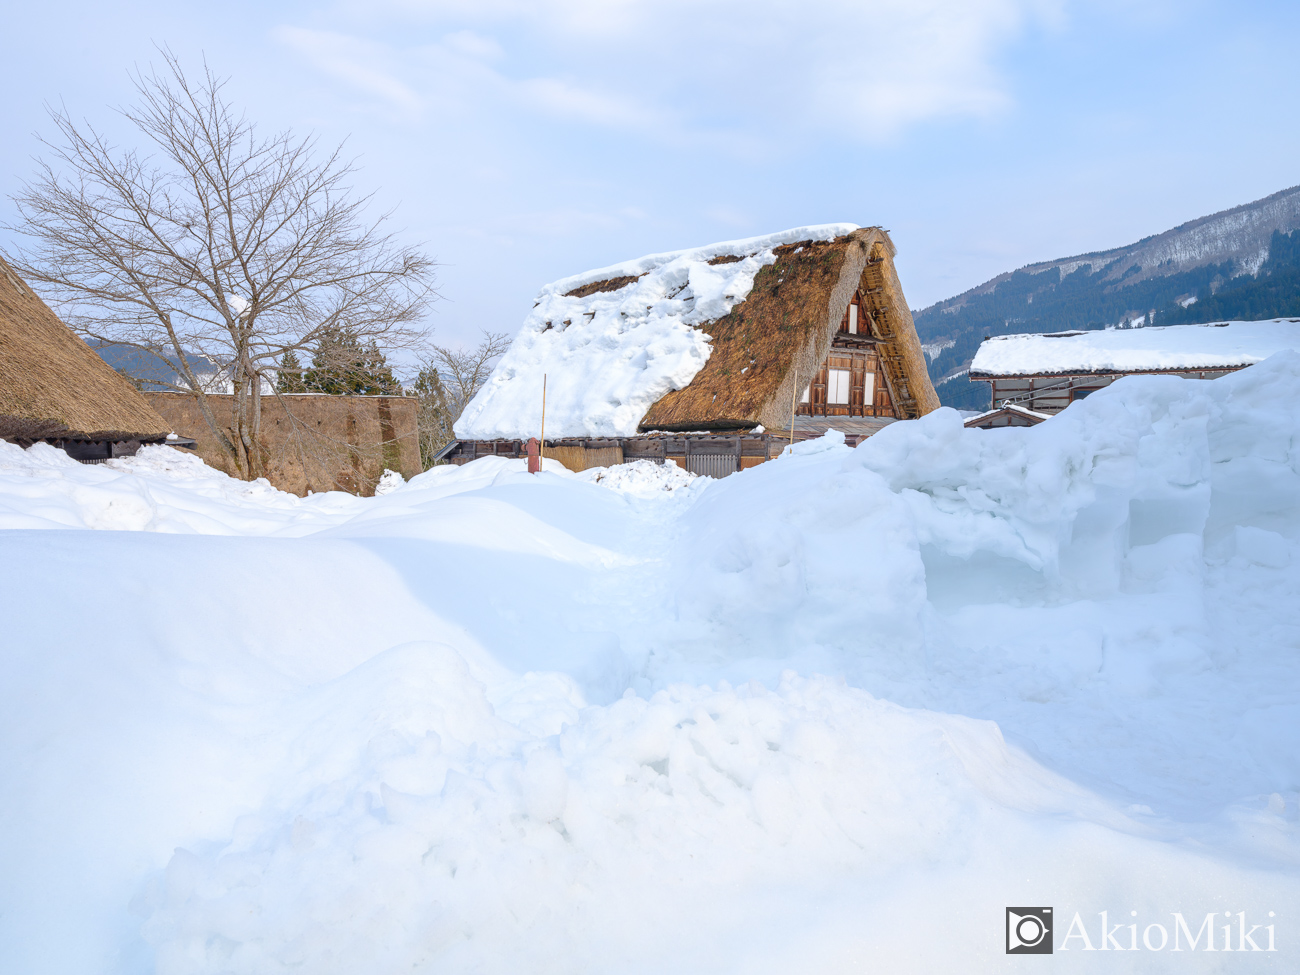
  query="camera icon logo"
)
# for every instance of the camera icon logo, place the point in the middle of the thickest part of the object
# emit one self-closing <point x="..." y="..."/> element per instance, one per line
<point x="1029" y="930"/>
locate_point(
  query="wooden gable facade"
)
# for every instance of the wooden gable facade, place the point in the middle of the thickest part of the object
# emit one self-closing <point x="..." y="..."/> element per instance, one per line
<point x="851" y="382"/>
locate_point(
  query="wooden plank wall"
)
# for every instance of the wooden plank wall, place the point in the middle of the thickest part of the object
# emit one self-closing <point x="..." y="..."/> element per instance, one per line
<point x="1053" y="393"/>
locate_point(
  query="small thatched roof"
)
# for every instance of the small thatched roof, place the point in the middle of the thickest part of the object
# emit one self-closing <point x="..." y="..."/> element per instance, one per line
<point x="53" y="385"/>
<point x="711" y="338"/>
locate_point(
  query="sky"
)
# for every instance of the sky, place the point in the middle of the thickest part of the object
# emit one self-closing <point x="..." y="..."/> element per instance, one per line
<point x="521" y="141"/>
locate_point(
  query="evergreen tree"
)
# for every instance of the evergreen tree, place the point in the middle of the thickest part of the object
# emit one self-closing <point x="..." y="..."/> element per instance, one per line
<point x="335" y="362"/>
<point x="378" y="374"/>
<point x="433" y="413"/>
<point x="1274" y="292"/>
<point x="289" y="375"/>
<point x="342" y="366"/>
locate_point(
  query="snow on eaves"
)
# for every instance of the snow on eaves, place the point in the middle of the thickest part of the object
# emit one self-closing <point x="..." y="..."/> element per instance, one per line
<point x="1213" y="346"/>
<point x="978" y="418"/>
<point x="608" y="356"/>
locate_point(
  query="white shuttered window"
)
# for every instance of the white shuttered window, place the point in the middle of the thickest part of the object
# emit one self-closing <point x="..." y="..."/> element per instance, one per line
<point x="837" y="387"/>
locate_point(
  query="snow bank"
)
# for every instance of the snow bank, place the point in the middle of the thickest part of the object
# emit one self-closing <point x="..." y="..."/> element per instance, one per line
<point x="1215" y="346"/>
<point x="835" y="711"/>
<point x="644" y="478"/>
<point x="464" y="843"/>
<point x="163" y="489"/>
<point x="609" y="356"/>
<point x="160" y="489"/>
<point x="1093" y="565"/>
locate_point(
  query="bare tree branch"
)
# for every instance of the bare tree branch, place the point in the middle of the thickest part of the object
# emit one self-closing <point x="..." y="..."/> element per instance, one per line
<point x="448" y="379"/>
<point x="216" y="244"/>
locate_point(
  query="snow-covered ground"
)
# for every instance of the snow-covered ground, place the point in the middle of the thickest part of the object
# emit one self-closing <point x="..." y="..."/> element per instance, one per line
<point x="833" y="714"/>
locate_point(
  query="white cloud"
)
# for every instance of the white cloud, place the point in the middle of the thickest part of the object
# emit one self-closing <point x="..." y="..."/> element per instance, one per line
<point x="744" y="71"/>
<point x="565" y="100"/>
<point x="358" y="63"/>
<point x="473" y="45"/>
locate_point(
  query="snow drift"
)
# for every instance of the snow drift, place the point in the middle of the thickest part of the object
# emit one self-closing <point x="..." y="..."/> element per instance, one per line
<point x="832" y="713"/>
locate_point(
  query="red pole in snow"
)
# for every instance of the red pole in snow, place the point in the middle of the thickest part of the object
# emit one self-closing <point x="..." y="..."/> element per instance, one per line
<point x="534" y="456"/>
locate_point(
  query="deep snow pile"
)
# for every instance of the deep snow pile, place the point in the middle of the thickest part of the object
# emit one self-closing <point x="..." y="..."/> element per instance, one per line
<point x="833" y="713"/>
<point x="643" y="478"/>
<point x="610" y="355"/>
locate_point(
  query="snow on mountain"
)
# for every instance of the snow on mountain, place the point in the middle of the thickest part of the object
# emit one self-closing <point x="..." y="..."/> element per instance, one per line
<point x="1240" y="235"/>
<point x="832" y="713"/>
<point x="933" y="349"/>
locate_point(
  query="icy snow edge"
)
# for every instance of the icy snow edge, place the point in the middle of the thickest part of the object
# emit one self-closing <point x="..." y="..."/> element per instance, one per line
<point x="609" y="356"/>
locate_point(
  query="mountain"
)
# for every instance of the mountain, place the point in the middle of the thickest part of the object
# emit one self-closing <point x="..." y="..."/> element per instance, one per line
<point x="153" y="372"/>
<point x="1242" y="263"/>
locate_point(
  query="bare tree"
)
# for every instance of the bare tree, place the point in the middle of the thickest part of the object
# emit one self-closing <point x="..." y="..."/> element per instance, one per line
<point x="219" y="244"/>
<point x="464" y="371"/>
<point x="447" y="381"/>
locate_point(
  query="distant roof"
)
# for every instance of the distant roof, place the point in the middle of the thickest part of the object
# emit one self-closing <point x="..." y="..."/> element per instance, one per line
<point x="1218" y="345"/>
<point x="614" y="342"/>
<point x="1034" y="417"/>
<point x="53" y="385"/>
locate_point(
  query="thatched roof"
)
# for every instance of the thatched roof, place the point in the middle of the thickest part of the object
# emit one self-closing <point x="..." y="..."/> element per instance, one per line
<point x="53" y="385"/>
<point x="781" y="333"/>
<point x="711" y="338"/>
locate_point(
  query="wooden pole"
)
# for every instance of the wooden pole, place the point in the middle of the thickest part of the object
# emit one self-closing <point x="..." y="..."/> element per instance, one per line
<point x="541" y="444"/>
<point x="794" y="399"/>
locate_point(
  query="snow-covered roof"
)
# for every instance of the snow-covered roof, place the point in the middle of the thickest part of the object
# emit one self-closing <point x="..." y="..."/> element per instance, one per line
<point x="1007" y="409"/>
<point x="1163" y="347"/>
<point x="613" y="341"/>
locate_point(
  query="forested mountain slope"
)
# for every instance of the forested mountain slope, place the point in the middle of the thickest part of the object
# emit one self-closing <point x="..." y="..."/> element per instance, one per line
<point x="1242" y="263"/>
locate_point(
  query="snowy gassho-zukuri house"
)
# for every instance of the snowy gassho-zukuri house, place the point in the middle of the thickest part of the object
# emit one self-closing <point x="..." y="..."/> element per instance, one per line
<point x="1046" y="373"/>
<point x="699" y="356"/>
<point x="54" y="388"/>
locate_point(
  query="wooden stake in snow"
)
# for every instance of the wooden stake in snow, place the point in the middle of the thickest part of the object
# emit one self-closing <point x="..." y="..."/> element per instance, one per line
<point x="541" y="444"/>
<point x="794" y="399"/>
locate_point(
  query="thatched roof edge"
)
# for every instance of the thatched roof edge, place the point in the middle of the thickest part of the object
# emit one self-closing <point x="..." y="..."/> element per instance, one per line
<point x="53" y="385"/>
<point x="769" y="346"/>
